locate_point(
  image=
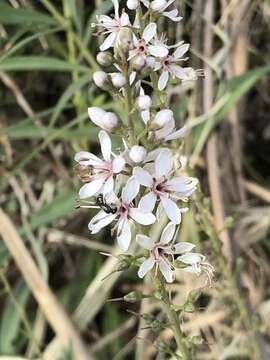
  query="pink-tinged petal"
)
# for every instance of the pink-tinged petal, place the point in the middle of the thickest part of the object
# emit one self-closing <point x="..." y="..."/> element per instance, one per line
<point x="108" y="186"/>
<point x="167" y="233"/>
<point x="183" y="247"/>
<point x="106" y="145"/>
<point x="86" y="158"/>
<point x="91" y="188"/>
<point x="158" y="50"/>
<point x="146" y="266"/>
<point x="109" y="41"/>
<point x="181" y="50"/>
<point x="177" y="134"/>
<point x="142" y="217"/>
<point x="163" y="163"/>
<point x="96" y="114"/>
<point x="166" y="271"/>
<point x="173" y="15"/>
<point x="163" y="80"/>
<point x="171" y="209"/>
<point x="130" y="190"/>
<point x="124" y="234"/>
<point x="143" y="177"/>
<point x="148" y="202"/>
<point x="118" y="164"/>
<point x="145" y="242"/>
<point x="100" y="221"/>
<point x="149" y="32"/>
<point x="191" y="258"/>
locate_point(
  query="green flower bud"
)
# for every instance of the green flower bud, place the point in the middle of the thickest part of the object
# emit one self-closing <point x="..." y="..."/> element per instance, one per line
<point x="104" y="58"/>
<point x="133" y="297"/>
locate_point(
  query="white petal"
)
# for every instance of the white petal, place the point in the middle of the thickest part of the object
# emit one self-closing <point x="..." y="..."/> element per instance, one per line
<point x="163" y="163"/>
<point x="148" y="202"/>
<point x="118" y="164"/>
<point x="191" y="258"/>
<point x="108" y="186"/>
<point x="130" y="190"/>
<point x="171" y="209"/>
<point x="166" y="270"/>
<point x="177" y="134"/>
<point x="86" y="158"/>
<point x="142" y="217"/>
<point x="178" y="71"/>
<point x="172" y="15"/>
<point x="143" y="177"/>
<point x="96" y="114"/>
<point x="124" y="19"/>
<point x="100" y="221"/>
<point x="145" y="242"/>
<point x="183" y="247"/>
<point x="145" y="116"/>
<point x="166" y="130"/>
<point x="124" y="234"/>
<point x="149" y="32"/>
<point x="158" y="50"/>
<point x="162" y="82"/>
<point x="91" y="188"/>
<point x="167" y="233"/>
<point x="182" y="184"/>
<point x="106" y="145"/>
<point x="146" y="266"/>
<point x="180" y="51"/>
<point x="109" y="41"/>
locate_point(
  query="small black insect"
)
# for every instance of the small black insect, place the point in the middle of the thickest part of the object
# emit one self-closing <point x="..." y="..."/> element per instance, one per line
<point x="108" y="209"/>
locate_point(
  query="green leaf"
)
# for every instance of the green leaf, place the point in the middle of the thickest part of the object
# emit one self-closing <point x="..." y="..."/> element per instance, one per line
<point x="10" y="15"/>
<point x="23" y="63"/>
<point x="11" y="319"/>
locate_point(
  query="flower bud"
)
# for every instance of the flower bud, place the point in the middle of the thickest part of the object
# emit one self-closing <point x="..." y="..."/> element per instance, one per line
<point x="101" y="80"/>
<point x="118" y="80"/>
<point x="110" y="121"/>
<point x="133" y="296"/>
<point x="104" y="58"/>
<point x="158" y="5"/>
<point x="137" y="153"/>
<point x="163" y="117"/>
<point x="144" y="102"/>
<point x="132" y="4"/>
<point x="105" y="120"/>
<point x="124" y="39"/>
<point x="137" y="62"/>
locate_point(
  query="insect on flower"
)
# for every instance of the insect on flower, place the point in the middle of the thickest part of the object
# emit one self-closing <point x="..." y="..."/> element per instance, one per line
<point x="108" y="209"/>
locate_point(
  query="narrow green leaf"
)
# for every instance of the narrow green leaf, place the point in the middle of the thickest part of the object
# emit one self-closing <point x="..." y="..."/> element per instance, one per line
<point x="11" y="319"/>
<point x="24" y="63"/>
<point x="10" y="15"/>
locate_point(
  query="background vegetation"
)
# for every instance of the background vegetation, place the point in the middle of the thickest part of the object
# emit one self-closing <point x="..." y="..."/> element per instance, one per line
<point x="46" y="65"/>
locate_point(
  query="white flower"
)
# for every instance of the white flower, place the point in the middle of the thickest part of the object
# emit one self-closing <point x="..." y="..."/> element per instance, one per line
<point x="164" y="119"/>
<point x="143" y="47"/>
<point x="105" y="120"/>
<point x="144" y="102"/>
<point x="123" y="214"/>
<point x="161" y="254"/>
<point x="160" y="6"/>
<point x="162" y="187"/>
<point x="197" y="264"/>
<point x="112" y="26"/>
<point x="102" y="170"/>
<point x="169" y="66"/>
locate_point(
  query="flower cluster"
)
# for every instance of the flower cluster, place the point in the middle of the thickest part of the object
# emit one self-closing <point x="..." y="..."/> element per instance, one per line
<point x="141" y="181"/>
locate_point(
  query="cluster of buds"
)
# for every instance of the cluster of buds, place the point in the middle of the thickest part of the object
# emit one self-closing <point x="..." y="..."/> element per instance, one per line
<point x="135" y="186"/>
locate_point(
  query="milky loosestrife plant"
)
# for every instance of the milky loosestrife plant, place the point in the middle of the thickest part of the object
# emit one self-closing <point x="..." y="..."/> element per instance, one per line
<point x="135" y="185"/>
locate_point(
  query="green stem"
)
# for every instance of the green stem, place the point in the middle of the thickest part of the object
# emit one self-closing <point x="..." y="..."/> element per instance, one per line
<point x="172" y="317"/>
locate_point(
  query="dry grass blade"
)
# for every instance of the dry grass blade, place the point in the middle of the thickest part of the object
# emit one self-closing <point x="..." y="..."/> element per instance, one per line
<point x="52" y="309"/>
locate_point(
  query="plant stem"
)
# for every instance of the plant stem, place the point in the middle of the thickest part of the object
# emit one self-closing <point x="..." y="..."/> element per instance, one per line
<point x="172" y="317"/>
